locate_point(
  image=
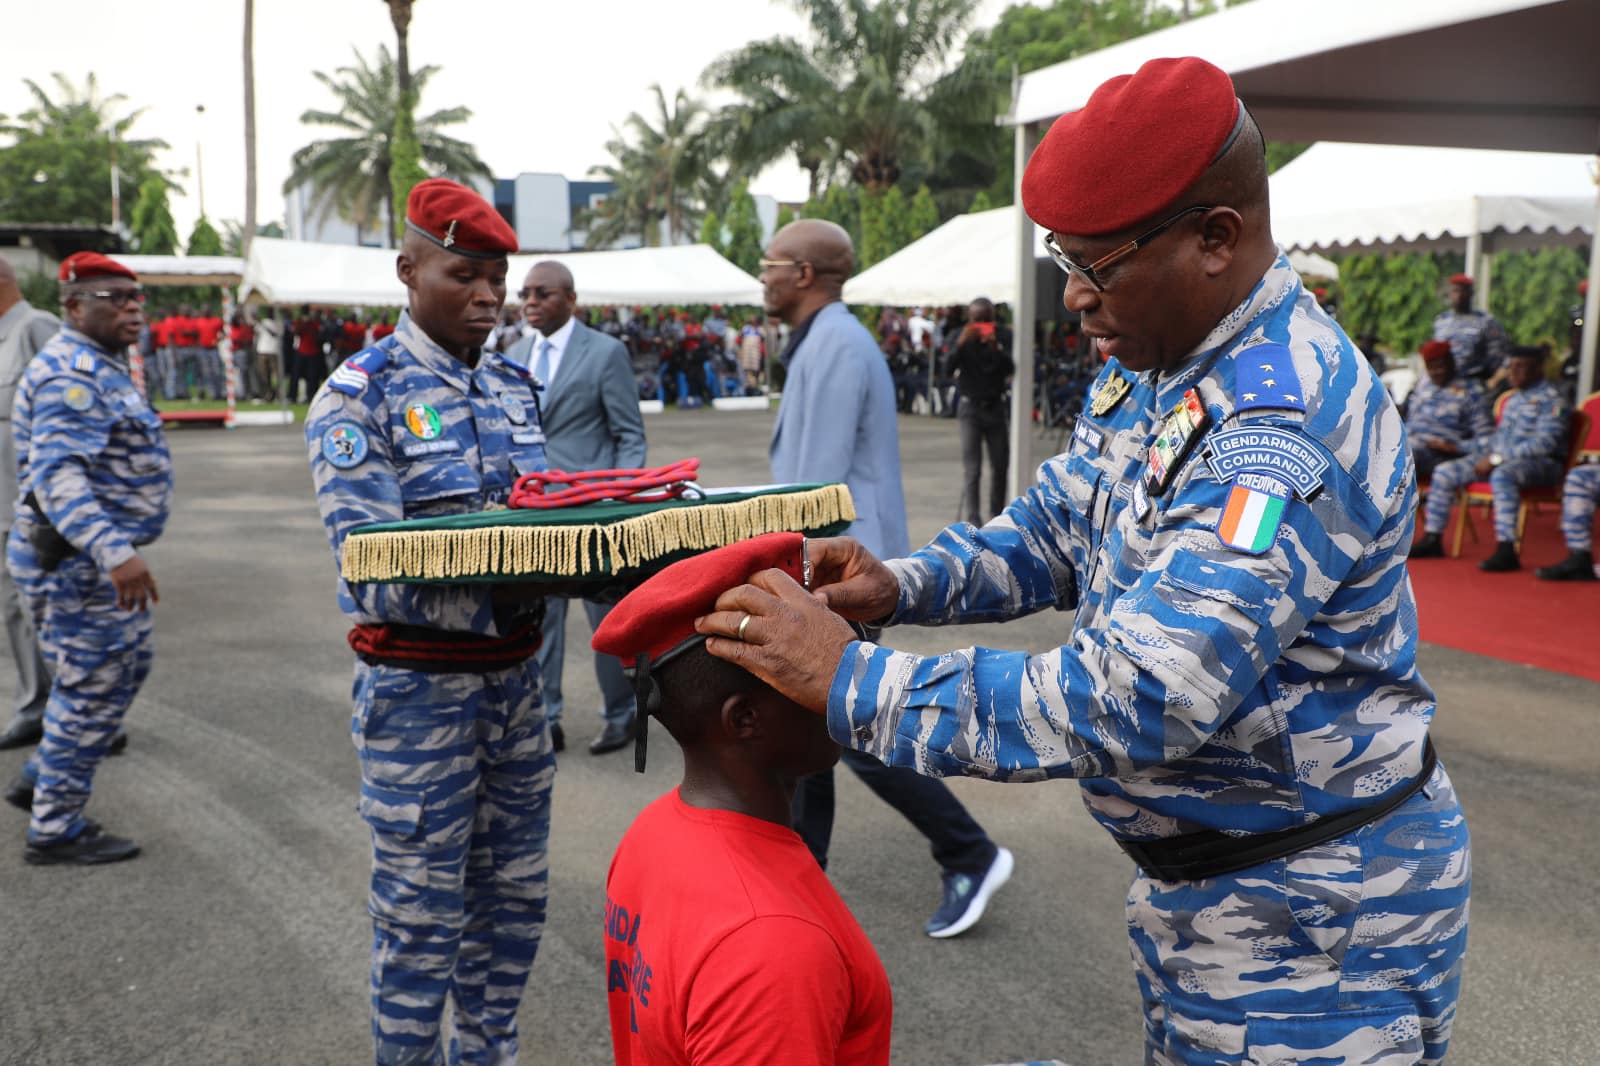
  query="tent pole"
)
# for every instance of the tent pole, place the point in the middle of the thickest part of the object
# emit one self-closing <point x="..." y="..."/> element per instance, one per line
<point x="1591" y="309"/>
<point x="1020" y="472"/>
<point x="1474" y="258"/>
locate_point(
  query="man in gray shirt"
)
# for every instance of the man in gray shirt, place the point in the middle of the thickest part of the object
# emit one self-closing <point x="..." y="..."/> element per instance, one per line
<point x="24" y="329"/>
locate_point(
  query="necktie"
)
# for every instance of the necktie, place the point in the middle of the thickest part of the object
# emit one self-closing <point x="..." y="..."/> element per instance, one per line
<point x="542" y="369"/>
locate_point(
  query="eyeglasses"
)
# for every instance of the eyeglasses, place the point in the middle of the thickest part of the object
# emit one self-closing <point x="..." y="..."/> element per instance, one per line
<point x="1091" y="273"/>
<point x="767" y="263"/>
<point x="117" y="297"/>
<point x="538" y="293"/>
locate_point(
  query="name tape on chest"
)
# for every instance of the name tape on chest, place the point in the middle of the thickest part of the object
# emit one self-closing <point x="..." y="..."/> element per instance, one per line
<point x="1089" y="435"/>
<point x="437" y="446"/>
<point x="1180" y="431"/>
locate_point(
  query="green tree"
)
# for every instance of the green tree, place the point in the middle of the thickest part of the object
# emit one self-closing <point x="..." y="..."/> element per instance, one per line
<point x="841" y="204"/>
<point x="923" y="217"/>
<point x="351" y="174"/>
<point x="877" y="240"/>
<point x="1533" y="293"/>
<point x="154" y="231"/>
<point x="233" y="235"/>
<point x="57" y="164"/>
<point x="1394" y="296"/>
<point x="711" y="231"/>
<point x="870" y="94"/>
<point x="984" y="202"/>
<point x="744" y="230"/>
<point x="658" y="167"/>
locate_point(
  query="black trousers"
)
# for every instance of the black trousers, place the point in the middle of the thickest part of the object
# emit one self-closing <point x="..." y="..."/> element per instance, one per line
<point x="958" y="842"/>
<point x="983" y="425"/>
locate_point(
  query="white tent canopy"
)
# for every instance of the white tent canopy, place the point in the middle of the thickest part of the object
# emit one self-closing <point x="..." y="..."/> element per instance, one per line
<point x="970" y="256"/>
<point x="967" y="257"/>
<point x="1400" y="196"/>
<point x="300" y="272"/>
<point x="185" y="269"/>
<point x="1480" y="73"/>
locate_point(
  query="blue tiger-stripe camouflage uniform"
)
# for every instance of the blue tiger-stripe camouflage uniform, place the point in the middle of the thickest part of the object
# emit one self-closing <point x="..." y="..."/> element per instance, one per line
<point x="1242" y="660"/>
<point x="1580" y="493"/>
<point x="1456" y="413"/>
<point x="456" y="768"/>
<point x="93" y="462"/>
<point x="1477" y="341"/>
<point x="1531" y="442"/>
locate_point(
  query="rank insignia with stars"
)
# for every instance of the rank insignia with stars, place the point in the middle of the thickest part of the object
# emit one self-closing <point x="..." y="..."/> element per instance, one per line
<point x="1109" y="394"/>
<point x="1264" y="377"/>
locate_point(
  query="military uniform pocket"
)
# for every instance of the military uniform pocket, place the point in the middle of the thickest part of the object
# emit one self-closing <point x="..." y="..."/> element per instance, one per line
<point x="1386" y="1035"/>
<point x="395" y="811"/>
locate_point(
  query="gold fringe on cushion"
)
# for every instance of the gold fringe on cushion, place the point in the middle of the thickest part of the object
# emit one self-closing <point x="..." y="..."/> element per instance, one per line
<point x="520" y="551"/>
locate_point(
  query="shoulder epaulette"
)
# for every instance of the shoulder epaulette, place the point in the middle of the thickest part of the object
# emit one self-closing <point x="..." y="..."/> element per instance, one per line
<point x="1264" y="377"/>
<point x="352" y="375"/>
<point x="85" y="363"/>
<point x="515" y="367"/>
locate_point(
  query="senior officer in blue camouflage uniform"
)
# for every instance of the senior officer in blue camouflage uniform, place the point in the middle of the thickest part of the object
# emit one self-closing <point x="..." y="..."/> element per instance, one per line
<point x="96" y="484"/>
<point x="1528" y="449"/>
<point x="1239" y="694"/>
<point x="1445" y="413"/>
<point x="456" y="765"/>
<point x="1476" y="338"/>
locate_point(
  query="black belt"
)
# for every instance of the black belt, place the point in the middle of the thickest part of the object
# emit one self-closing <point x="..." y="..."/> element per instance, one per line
<point x="1210" y="853"/>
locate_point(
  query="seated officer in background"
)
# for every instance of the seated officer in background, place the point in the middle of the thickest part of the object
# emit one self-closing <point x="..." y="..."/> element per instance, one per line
<point x="96" y="484"/>
<point x="455" y="754"/>
<point x="726" y="945"/>
<point x="1445" y="413"/>
<point x="1239" y="692"/>
<point x="1580" y="492"/>
<point x="1528" y="449"/>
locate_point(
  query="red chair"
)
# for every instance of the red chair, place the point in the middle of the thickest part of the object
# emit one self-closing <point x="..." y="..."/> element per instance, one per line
<point x="1582" y="433"/>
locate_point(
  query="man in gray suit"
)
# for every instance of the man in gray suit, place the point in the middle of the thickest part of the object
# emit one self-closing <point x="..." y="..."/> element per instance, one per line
<point x="590" y="411"/>
<point x="23" y="331"/>
<point x="836" y="422"/>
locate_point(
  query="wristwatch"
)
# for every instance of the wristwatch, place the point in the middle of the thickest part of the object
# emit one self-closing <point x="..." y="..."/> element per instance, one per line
<point x="1495" y="458"/>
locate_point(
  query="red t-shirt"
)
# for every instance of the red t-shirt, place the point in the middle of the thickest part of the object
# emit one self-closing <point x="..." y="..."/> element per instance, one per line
<point x="353" y="337"/>
<point x="381" y="330"/>
<point x="241" y="336"/>
<point x="307" y="337"/>
<point x="209" y="329"/>
<point x="184" y="334"/>
<point x="726" y="945"/>
<point x="161" y="332"/>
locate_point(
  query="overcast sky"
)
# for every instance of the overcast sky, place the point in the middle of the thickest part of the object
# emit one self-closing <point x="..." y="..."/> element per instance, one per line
<point x="545" y="81"/>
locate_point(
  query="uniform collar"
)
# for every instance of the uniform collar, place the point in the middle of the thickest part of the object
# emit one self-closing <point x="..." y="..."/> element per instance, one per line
<point x="117" y="358"/>
<point x="1278" y="284"/>
<point x="430" y="355"/>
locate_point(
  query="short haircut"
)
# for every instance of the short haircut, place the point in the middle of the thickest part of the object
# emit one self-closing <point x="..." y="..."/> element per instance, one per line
<point x="694" y="684"/>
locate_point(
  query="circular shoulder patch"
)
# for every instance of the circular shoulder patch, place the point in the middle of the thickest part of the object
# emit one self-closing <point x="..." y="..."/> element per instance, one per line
<point x="345" y="445"/>
<point x="78" y="397"/>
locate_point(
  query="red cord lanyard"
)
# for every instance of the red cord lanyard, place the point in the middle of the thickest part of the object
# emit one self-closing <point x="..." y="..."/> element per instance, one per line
<point x="558" y="488"/>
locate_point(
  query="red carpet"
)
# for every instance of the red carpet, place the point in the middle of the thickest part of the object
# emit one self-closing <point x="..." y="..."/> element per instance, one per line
<point x="1554" y="625"/>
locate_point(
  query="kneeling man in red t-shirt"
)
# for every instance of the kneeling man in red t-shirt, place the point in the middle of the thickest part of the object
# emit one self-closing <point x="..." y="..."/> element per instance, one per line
<point x="725" y="941"/>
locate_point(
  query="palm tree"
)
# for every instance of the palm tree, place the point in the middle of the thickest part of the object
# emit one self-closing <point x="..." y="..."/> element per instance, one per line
<point x="350" y="174"/>
<point x="249" y="125"/>
<point x="659" y="171"/>
<point x="877" y="90"/>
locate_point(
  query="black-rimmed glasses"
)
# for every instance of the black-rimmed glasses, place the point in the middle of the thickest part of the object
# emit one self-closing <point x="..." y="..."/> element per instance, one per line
<point x="1091" y="273"/>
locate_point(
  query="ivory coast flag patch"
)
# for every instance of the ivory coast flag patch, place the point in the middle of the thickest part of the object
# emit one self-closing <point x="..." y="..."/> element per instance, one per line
<point x="1254" y="511"/>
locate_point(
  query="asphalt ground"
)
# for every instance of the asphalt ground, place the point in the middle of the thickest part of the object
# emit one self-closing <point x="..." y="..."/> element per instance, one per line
<point x="241" y="936"/>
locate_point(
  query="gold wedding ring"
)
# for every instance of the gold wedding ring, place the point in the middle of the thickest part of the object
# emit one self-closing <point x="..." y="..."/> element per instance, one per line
<point x="744" y="624"/>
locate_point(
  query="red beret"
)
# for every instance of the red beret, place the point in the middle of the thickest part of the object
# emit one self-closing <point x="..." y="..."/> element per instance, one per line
<point x="1137" y="145"/>
<point x="1435" y="350"/>
<point x="80" y="266"/>
<point x="1461" y="279"/>
<point x="657" y="618"/>
<point x="454" y="217"/>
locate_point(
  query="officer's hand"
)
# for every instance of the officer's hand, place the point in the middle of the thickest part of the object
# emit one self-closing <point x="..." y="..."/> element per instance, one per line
<point x="791" y="641"/>
<point x="1483" y="468"/>
<point x="850" y="580"/>
<point x="135" y="585"/>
